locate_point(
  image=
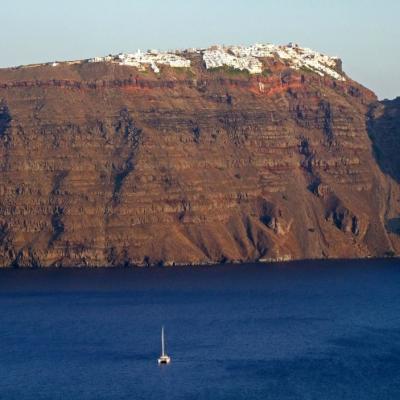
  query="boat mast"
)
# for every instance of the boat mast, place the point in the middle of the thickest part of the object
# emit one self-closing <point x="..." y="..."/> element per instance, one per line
<point x="162" y="342"/>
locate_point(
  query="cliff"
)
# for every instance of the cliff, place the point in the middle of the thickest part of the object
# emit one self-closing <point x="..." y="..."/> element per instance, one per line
<point x="106" y="164"/>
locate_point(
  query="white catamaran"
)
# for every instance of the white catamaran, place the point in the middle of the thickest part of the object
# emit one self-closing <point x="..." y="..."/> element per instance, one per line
<point x="164" y="359"/>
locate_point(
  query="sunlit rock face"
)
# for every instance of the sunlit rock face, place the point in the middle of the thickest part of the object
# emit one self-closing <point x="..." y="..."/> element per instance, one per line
<point x="109" y="163"/>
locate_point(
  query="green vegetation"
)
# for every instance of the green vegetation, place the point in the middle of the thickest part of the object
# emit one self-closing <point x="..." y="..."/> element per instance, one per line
<point x="230" y="70"/>
<point x="190" y="73"/>
<point x="266" y="72"/>
<point x="306" y="70"/>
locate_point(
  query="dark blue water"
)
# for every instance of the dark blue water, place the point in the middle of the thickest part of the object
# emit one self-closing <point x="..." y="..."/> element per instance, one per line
<point x="310" y="330"/>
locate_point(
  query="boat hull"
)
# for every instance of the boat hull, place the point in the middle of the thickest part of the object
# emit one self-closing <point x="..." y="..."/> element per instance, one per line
<point x="164" y="360"/>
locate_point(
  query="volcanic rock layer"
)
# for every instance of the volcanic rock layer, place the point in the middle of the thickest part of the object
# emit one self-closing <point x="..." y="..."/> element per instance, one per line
<point x="105" y="165"/>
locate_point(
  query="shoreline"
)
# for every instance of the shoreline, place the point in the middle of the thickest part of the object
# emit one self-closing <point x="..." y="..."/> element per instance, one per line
<point x="210" y="264"/>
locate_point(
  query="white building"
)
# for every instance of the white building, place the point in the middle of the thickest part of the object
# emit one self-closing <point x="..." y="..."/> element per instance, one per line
<point x="238" y="57"/>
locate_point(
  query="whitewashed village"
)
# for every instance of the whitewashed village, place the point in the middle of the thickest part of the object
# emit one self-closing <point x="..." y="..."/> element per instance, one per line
<point x="243" y="58"/>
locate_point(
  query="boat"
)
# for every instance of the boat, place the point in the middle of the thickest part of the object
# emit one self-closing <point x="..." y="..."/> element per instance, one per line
<point x="164" y="358"/>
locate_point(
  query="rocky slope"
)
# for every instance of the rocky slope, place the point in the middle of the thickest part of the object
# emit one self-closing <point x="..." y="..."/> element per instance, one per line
<point x="104" y="164"/>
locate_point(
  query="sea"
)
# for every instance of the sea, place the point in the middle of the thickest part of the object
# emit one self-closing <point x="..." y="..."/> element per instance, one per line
<point x="326" y="330"/>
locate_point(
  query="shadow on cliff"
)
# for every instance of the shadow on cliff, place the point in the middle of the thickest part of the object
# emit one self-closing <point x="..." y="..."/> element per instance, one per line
<point x="5" y="119"/>
<point x="384" y="131"/>
<point x="393" y="225"/>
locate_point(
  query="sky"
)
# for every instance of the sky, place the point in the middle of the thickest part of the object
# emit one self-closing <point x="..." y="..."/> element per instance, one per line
<point x="365" y="34"/>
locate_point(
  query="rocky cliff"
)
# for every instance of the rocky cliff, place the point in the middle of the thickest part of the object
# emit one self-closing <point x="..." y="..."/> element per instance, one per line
<point x="105" y="164"/>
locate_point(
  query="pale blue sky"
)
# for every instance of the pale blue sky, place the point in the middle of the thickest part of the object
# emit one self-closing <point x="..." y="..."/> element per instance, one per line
<point x="365" y="34"/>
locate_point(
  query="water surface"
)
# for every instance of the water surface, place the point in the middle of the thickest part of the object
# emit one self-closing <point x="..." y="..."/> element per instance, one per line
<point x="304" y="330"/>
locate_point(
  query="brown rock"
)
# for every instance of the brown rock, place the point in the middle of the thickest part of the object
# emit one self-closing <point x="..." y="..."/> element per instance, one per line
<point x="103" y="165"/>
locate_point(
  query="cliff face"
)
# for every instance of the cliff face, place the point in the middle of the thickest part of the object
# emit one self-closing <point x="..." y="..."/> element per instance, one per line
<point x="103" y="165"/>
<point x="384" y="131"/>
